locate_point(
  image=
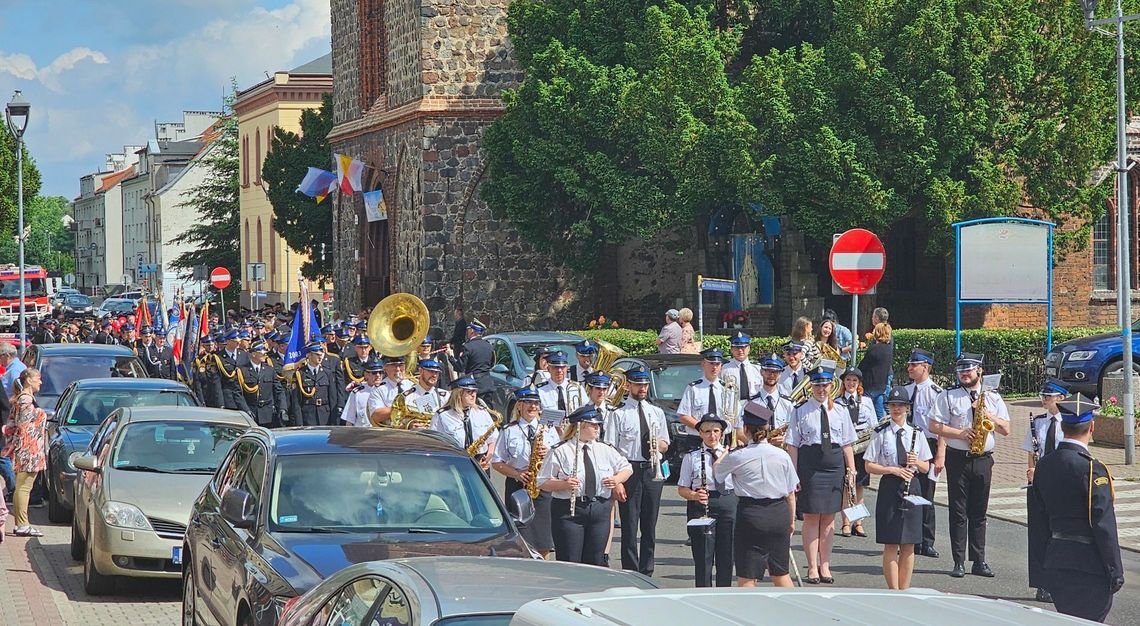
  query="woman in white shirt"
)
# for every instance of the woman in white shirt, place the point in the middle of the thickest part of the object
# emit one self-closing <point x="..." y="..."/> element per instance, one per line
<point x="512" y="459"/>
<point x="862" y="412"/>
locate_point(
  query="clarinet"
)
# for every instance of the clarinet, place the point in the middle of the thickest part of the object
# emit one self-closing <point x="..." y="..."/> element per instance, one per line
<point x="1036" y="444"/>
<point x="574" y="493"/>
<point x="704" y="481"/>
<point x="904" y="488"/>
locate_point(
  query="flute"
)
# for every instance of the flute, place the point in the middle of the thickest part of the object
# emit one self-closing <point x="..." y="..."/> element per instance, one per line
<point x="574" y="492"/>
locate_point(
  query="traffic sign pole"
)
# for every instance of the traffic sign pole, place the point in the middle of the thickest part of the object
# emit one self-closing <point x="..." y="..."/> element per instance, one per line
<point x="857" y="262"/>
<point x="854" y="329"/>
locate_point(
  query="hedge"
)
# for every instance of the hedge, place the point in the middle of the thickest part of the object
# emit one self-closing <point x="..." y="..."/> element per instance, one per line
<point x="1017" y="353"/>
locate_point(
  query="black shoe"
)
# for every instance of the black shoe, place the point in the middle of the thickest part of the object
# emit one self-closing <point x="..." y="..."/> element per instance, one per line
<point x="927" y="551"/>
<point x="814" y="580"/>
<point x="827" y="580"/>
<point x="981" y="569"/>
<point x="959" y="570"/>
<point x="1044" y="596"/>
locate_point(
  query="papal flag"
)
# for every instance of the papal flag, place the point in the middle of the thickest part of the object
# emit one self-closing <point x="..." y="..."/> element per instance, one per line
<point x="348" y="173"/>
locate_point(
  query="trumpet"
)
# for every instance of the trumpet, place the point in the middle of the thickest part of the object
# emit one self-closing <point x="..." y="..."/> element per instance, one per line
<point x="655" y="455"/>
<point x="730" y="407"/>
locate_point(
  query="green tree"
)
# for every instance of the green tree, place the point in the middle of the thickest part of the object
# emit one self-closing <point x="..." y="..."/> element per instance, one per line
<point x="50" y="242"/>
<point x="303" y="223"/>
<point x="216" y="236"/>
<point x="8" y="181"/>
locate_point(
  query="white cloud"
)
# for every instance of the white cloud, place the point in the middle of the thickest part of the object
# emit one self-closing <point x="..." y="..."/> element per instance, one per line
<point x="18" y="65"/>
<point x="22" y="66"/>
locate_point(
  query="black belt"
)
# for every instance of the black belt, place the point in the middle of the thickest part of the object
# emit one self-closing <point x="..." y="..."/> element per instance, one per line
<point x="764" y="501"/>
<point x="317" y="402"/>
<point x="589" y="499"/>
<point x="1074" y="538"/>
<point x="717" y="494"/>
<point x="967" y="453"/>
<point x="261" y="403"/>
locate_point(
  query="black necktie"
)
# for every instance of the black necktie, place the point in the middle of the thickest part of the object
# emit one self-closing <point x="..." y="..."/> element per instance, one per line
<point x="644" y="432"/>
<point x="561" y="400"/>
<point x="712" y="400"/>
<point x="900" y="448"/>
<point x="1051" y="438"/>
<point x="973" y="401"/>
<point x="591" y="486"/>
<point x="530" y="433"/>
<point x="824" y="428"/>
<point x="853" y="409"/>
<point x="467" y="436"/>
<point x="715" y="455"/>
<point x="795" y="379"/>
<point x="771" y="404"/>
<point x="744" y="388"/>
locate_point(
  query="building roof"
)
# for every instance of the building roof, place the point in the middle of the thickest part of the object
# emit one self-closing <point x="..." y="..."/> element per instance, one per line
<point x="322" y="65"/>
<point x="116" y="178"/>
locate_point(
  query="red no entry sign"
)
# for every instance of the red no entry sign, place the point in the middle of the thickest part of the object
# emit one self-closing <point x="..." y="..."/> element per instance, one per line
<point x="220" y="277"/>
<point x="857" y="260"/>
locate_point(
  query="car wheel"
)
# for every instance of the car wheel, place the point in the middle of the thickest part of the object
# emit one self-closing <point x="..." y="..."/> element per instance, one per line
<point x="78" y="547"/>
<point x="189" y="595"/>
<point x="57" y="514"/>
<point x="94" y="583"/>
<point x="1116" y="367"/>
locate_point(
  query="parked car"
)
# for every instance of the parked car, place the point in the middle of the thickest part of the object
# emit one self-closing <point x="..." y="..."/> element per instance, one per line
<point x="682" y="607"/>
<point x="132" y="500"/>
<point x="446" y="590"/>
<point x="1082" y="364"/>
<point x="78" y="414"/>
<point x="514" y="360"/>
<point x="670" y="374"/>
<point x="116" y="307"/>
<point x="62" y="294"/>
<point x="77" y="305"/>
<point x="62" y="363"/>
<point x="291" y="507"/>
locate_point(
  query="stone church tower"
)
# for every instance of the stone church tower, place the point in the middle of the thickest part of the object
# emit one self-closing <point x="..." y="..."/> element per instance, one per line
<point x="416" y="83"/>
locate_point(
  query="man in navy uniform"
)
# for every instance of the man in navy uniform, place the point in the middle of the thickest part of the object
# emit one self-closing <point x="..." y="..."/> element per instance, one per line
<point x="476" y="360"/>
<point x="585" y="353"/>
<point x="311" y="401"/>
<point x="262" y="391"/>
<point x="1042" y="437"/>
<point x="1074" y="490"/>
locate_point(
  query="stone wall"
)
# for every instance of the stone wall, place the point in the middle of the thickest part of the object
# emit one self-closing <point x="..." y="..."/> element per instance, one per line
<point x="465" y="49"/>
<point x="345" y="61"/>
<point x="403" y="22"/>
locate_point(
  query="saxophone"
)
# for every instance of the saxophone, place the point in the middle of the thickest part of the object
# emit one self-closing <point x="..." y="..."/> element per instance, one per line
<point x="535" y="461"/>
<point x="496" y="419"/>
<point x="982" y="426"/>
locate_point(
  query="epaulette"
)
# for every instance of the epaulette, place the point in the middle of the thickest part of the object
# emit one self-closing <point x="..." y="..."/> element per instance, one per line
<point x="883" y="426"/>
<point x="785" y="396"/>
<point x="442" y="409"/>
<point x="936" y="388"/>
<point x="1037" y="417"/>
<point x="696" y="382"/>
<point x="802" y="402"/>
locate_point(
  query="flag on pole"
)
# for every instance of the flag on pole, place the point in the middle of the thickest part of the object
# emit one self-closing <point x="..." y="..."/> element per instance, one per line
<point x="177" y="333"/>
<point x="189" y="343"/>
<point x="317" y="183"/>
<point x="374" y="205"/>
<point x="142" y="314"/>
<point x="160" y="323"/>
<point x="348" y="173"/>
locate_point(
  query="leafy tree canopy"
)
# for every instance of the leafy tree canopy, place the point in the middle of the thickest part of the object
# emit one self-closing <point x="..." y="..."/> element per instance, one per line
<point x="8" y="179"/>
<point x="303" y="223"/>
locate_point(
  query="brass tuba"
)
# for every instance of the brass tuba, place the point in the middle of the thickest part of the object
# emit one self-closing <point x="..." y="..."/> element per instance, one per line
<point x="398" y="324"/>
<point x="404" y="417"/>
<point x="608" y="353"/>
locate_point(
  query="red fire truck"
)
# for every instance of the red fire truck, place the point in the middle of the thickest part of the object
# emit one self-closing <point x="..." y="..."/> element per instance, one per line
<point x="37" y="294"/>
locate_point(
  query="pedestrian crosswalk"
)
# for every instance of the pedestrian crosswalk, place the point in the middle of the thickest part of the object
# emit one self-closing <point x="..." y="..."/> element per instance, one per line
<point x="1008" y="503"/>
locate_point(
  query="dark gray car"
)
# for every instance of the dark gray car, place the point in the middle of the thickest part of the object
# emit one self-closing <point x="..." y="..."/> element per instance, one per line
<point x="514" y="360"/>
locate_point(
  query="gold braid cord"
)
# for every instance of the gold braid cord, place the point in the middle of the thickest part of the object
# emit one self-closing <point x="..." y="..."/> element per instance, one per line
<point x="241" y="381"/>
<point x="308" y="393"/>
<point x="222" y="367"/>
<point x="348" y="372"/>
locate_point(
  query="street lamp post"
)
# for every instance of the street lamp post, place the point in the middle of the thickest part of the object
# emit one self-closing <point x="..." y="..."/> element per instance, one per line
<point x="1123" y="256"/>
<point x="16" y="114"/>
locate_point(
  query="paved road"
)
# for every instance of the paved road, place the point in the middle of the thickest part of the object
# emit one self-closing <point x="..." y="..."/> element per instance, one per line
<point x="40" y="585"/>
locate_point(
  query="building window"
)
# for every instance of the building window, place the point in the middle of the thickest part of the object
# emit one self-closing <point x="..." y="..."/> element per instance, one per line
<point x="272" y="253"/>
<point x="1101" y="255"/>
<point x="245" y="161"/>
<point x="373" y="66"/>
<point x="246" y="242"/>
<point x="257" y="163"/>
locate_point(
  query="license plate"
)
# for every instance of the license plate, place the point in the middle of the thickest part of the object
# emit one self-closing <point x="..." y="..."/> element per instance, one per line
<point x="176" y="555"/>
<point x="1050" y="371"/>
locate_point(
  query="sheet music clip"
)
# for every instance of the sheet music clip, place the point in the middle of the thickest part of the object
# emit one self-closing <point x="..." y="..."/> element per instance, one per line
<point x="990" y="382"/>
<point x="856" y="512"/>
<point x="917" y="500"/>
<point x="701" y="522"/>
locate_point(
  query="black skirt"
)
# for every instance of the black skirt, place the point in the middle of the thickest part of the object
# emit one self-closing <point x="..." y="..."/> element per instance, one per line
<point x="762" y="537"/>
<point x="896" y="520"/>
<point x="538" y="531"/>
<point x="862" y="478"/>
<point x="821" y="475"/>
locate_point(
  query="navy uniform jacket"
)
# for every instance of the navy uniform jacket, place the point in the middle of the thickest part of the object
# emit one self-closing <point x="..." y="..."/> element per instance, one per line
<point x="353" y="370"/>
<point x="149" y="357"/>
<point x="335" y="368"/>
<point x="314" y="409"/>
<point x="1063" y="480"/>
<point x="207" y="381"/>
<point x="166" y="366"/>
<point x="476" y="360"/>
<point x="227" y="368"/>
<point x="264" y="402"/>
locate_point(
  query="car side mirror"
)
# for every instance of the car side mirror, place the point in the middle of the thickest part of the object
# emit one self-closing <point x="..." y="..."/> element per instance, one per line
<point x="500" y="369"/>
<point x="85" y="462"/>
<point x="236" y="505"/>
<point x="521" y="507"/>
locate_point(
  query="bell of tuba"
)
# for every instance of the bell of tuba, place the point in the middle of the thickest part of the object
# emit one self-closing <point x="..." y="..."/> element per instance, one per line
<point x="404" y="417"/>
<point x="608" y="353"/>
<point x="398" y="324"/>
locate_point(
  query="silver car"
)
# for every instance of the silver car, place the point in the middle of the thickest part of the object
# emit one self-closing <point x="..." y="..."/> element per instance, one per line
<point x="139" y="476"/>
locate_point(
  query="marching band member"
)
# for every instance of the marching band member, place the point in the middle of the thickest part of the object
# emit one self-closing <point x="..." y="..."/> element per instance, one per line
<point x="765" y="481"/>
<point x="771" y="368"/>
<point x="476" y="358"/>
<point x="1042" y="438"/>
<point x="335" y="367"/>
<point x="541" y="372"/>
<point x="585" y="352"/>
<point x="967" y="476"/>
<point x="922" y="393"/>
<point x="312" y="389"/>
<point x="702" y="396"/>
<point x="560" y="393"/>
<point x="426" y="395"/>
<point x="228" y="359"/>
<point x="512" y="459"/>
<point x="793" y="373"/>
<point x="597" y="384"/>
<point x="897" y="451"/>
<point x="749" y="380"/>
<point x="698" y="484"/>
<point x="355" y="411"/>
<point x="148" y="352"/>
<point x="380" y="402"/>
<point x="862" y="412"/>
<point x="262" y="393"/>
<point x="634" y="428"/>
<point x="819" y="439"/>
<point x="465" y="420"/>
<point x="586" y="469"/>
<point x="354" y="365"/>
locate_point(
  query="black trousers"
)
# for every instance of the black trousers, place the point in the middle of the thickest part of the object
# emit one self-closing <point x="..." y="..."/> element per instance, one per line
<point x="968" y="484"/>
<point x="639" y="512"/>
<point x="581" y="538"/>
<point x="1079" y="593"/>
<point x="713" y="545"/>
<point x="1038" y="532"/>
<point x="926" y="488"/>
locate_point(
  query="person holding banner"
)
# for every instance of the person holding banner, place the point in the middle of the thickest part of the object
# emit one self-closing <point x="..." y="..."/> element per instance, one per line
<point x="207" y="379"/>
<point x="897" y="452"/>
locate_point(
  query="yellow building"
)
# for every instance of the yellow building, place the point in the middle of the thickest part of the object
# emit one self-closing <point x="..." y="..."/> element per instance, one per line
<point x="273" y="103"/>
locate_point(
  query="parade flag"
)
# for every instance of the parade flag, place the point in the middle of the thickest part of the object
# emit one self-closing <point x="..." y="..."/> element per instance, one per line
<point x="317" y="183"/>
<point x="160" y="323"/>
<point x="142" y="314"/>
<point x="348" y="173"/>
<point x="374" y="205"/>
<point x="177" y="333"/>
<point x="189" y="343"/>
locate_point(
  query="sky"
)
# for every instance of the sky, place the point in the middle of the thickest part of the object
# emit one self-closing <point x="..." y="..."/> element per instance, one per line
<point x="100" y="73"/>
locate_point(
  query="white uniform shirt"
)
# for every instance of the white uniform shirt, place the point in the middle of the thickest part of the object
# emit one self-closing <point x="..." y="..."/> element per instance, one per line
<point x="539" y="377"/>
<point x="514" y="444"/>
<point x="760" y="470"/>
<point x="922" y="404"/>
<point x="559" y="465"/>
<point x="732" y="368"/>
<point x="386" y="392"/>
<point x="623" y="428"/>
<point x="954" y="408"/>
<point x="355" y="412"/>
<point x="695" y="401"/>
<point x="781" y="406"/>
<point x="427" y="400"/>
<point x="574" y="394"/>
<point x="866" y="417"/>
<point x="804" y="429"/>
<point x="690" y="475"/>
<point x="790" y="379"/>
<point x="450" y="422"/>
<point x="1039" y="424"/>
<point x="882" y="448"/>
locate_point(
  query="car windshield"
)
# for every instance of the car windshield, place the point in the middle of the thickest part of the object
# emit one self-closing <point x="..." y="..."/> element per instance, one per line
<point x="174" y="446"/>
<point x="78" y="301"/>
<point x="119" y="306"/>
<point x="382" y="492"/>
<point x="528" y="350"/>
<point x="33" y="287"/>
<point x="476" y="620"/>
<point x="90" y="407"/>
<point x="669" y="383"/>
<point x="60" y="371"/>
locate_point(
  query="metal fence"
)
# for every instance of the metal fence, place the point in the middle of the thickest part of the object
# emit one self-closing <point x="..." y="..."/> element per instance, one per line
<point x="1017" y="379"/>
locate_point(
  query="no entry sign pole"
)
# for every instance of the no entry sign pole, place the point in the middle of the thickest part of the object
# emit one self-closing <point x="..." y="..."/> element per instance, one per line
<point x="857" y="262"/>
<point x="220" y="279"/>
